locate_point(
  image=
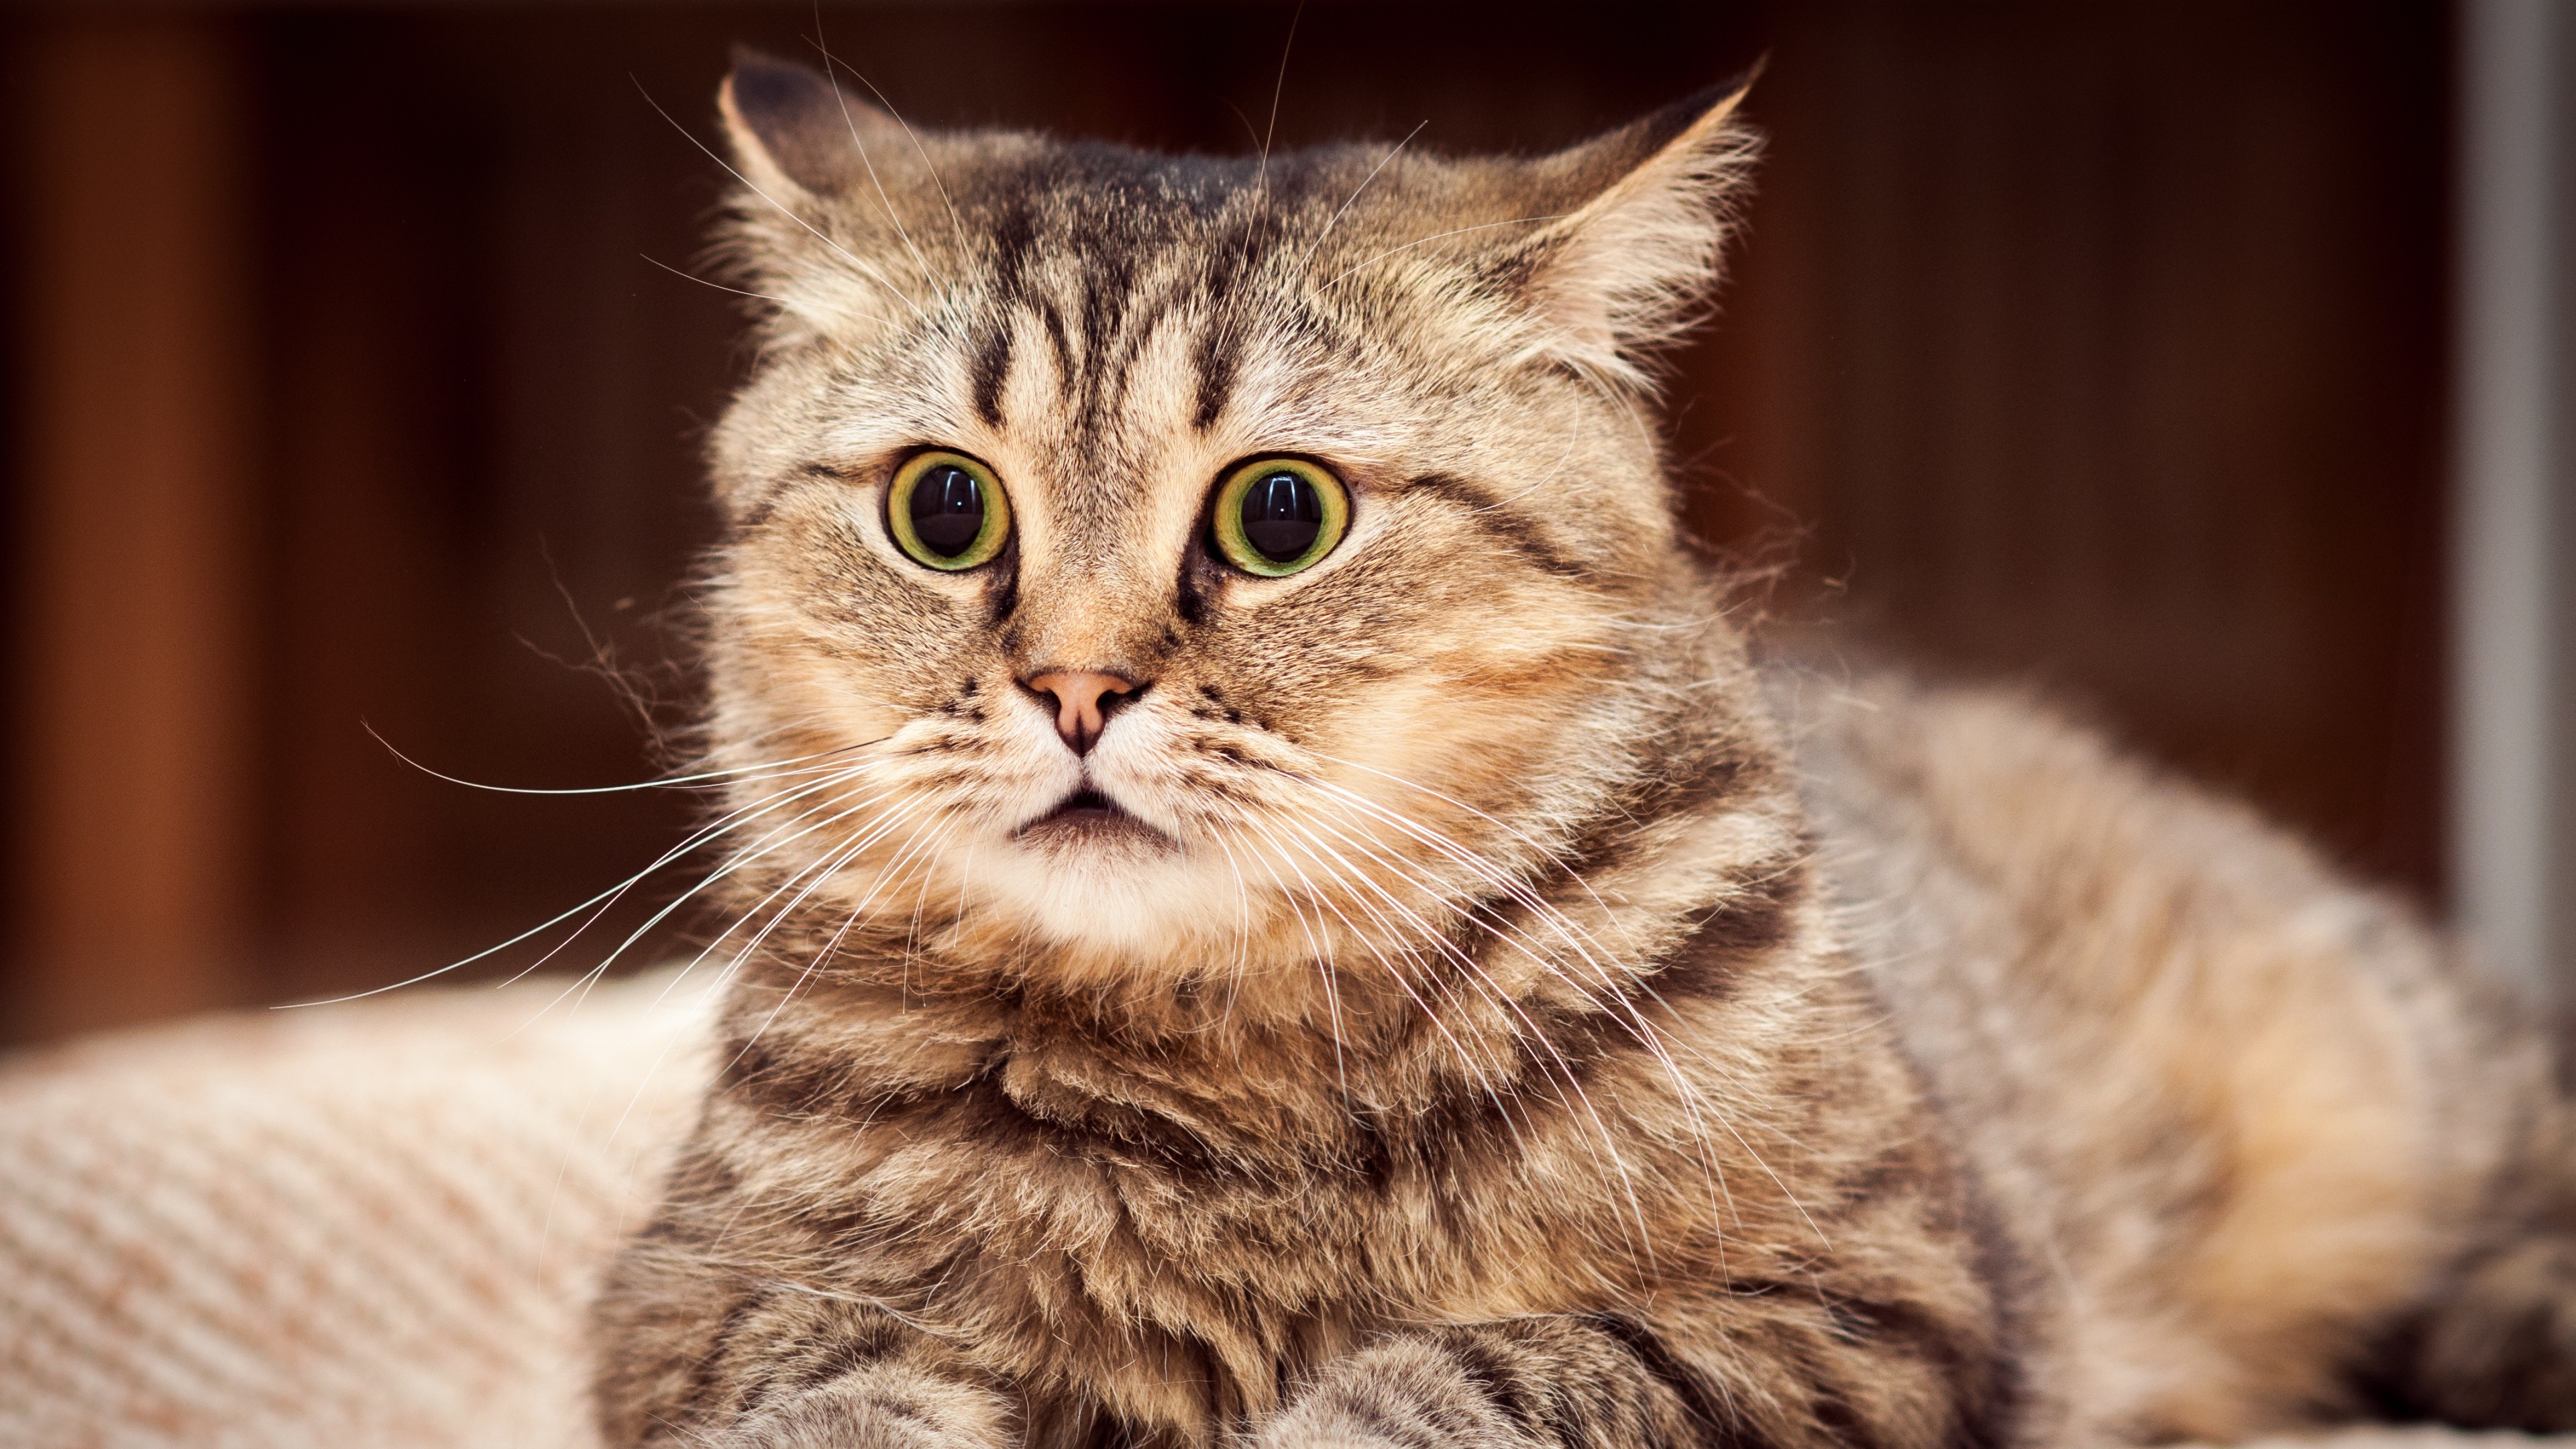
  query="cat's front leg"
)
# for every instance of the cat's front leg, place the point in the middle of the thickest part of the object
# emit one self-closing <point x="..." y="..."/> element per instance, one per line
<point x="789" y="1370"/>
<point x="699" y="1351"/>
<point x="1771" y="1374"/>
<point x="874" y="1406"/>
<point x="1525" y="1383"/>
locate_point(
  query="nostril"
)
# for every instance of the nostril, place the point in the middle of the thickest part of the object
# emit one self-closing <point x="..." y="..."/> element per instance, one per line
<point x="1084" y="699"/>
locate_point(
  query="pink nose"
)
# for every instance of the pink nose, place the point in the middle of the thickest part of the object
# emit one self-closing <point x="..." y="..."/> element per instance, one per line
<point x="1083" y="700"/>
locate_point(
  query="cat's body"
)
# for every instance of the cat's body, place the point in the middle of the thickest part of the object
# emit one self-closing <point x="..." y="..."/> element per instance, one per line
<point x="2241" y="1117"/>
<point x="1429" y="989"/>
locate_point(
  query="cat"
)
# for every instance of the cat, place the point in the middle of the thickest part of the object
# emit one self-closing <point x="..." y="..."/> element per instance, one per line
<point x="1282" y="907"/>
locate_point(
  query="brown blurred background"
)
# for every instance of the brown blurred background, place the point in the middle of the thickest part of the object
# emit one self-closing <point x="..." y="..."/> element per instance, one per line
<point x="355" y="381"/>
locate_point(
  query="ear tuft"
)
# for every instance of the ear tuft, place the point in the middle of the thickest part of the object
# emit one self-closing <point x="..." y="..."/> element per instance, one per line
<point x="1647" y="208"/>
<point x="790" y="124"/>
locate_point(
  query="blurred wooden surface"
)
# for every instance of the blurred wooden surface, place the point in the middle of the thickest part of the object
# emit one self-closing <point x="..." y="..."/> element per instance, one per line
<point x="2097" y="344"/>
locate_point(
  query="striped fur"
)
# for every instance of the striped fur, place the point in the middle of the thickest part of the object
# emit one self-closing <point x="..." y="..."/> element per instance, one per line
<point x="1479" y="1049"/>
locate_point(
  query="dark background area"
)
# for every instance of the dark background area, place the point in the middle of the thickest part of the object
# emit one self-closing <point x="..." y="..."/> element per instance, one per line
<point x="356" y="380"/>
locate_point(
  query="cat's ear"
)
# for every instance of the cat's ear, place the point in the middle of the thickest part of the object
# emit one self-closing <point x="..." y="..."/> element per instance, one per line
<point x="795" y="131"/>
<point x="829" y="183"/>
<point x="1631" y="255"/>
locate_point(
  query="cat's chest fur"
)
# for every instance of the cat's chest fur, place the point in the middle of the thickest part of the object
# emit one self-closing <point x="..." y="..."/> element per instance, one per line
<point x="1181" y="1224"/>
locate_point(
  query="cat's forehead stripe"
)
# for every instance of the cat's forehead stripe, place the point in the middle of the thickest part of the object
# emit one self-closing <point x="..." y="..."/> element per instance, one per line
<point x="990" y="364"/>
<point x="1106" y="243"/>
<point x="1102" y="307"/>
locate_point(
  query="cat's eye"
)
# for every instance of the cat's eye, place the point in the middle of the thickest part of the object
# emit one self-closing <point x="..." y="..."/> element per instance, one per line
<point x="1278" y="516"/>
<point x="947" y="510"/>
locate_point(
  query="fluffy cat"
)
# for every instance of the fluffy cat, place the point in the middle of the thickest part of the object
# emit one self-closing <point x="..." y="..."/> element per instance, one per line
<point x="1284" y="911"/>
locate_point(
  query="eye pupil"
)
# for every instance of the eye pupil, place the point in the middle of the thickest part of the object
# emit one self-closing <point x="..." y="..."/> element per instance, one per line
<point x="1278" y="516"/>
<point x="1283" y="514"/>
<point x="947" y="510"/>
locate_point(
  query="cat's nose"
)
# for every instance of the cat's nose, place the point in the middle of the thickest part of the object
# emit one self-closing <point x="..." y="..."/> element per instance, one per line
<point x="1083" y="700"/>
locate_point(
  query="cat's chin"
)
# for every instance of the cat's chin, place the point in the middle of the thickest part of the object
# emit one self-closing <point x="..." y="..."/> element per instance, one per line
<point x="1107" y="882"/>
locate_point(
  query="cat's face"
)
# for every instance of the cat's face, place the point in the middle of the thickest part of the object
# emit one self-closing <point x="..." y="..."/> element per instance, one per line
<point x="1188" y="564"/>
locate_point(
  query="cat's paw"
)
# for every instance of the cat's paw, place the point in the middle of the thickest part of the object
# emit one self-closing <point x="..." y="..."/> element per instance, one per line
<point x="1390" y="1421"/>
<point x="864" y="1415"/>
<point x="819" y="1421"/>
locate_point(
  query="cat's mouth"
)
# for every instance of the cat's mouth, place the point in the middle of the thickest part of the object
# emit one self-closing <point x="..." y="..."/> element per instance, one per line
<point x="1088" y="817"/>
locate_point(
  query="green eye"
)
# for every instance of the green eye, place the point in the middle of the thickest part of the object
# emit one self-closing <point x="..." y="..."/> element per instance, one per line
<point x="947" y="510"/>
<point x="1279" y="516"/>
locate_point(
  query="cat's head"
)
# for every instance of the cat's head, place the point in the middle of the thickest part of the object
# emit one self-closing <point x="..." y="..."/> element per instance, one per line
<point x="1188" y="564"/>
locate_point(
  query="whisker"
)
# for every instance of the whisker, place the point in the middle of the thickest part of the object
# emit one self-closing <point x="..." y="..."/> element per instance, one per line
<point x="704" y="282"/>
<point x="1447" y="799"/>
<point x="741" y="860"/>
<point x="1435" y="236"/>
<point x="1323" y="965"/>
<point x="723" y="825"/>
<point x="812" y="874"/>
<point x="1534" y="1033"/>
<point x="658" y="917"/>
<point x="1484" y="1076"/>
<point x="805" y="881"/>
<point x="876" y="832"/>
<point x="865" y="270"/>
<point x="766" y="769"/>
<point x="1565" y="1070"/>
<point x="1308" y="260"/>
<point x="832" y="78"/>
<point x="956" y="226"/>
<point x="1278" y="88"/>
<point x="1634" y="1020"/>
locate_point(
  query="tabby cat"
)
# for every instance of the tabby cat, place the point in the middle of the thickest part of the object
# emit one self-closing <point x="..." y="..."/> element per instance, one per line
<point x="1284" y="911"/>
